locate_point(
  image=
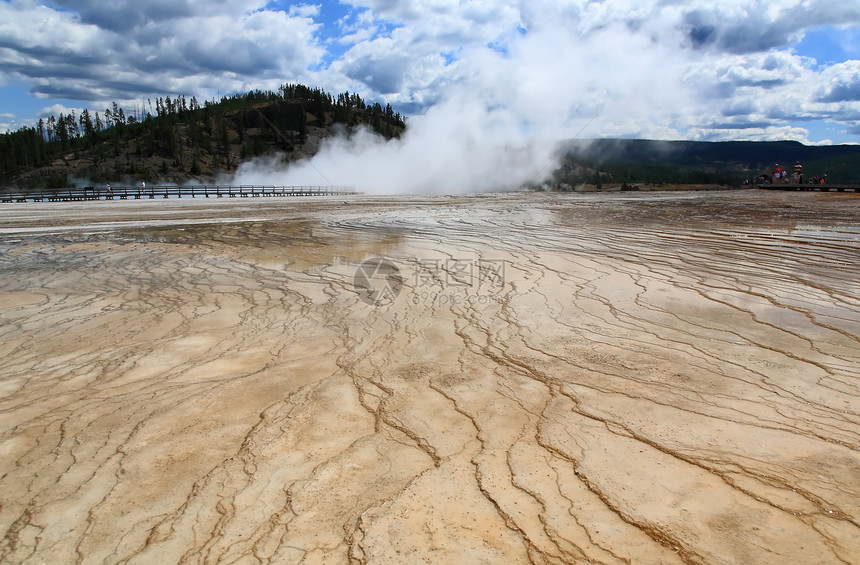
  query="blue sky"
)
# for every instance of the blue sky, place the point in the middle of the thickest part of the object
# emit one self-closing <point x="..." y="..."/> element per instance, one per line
<point x="735" y="69"/>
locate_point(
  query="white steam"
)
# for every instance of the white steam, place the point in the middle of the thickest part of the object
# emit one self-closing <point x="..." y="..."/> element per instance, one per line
<point x="504" y="112"/>
<point x="457" y="146"/>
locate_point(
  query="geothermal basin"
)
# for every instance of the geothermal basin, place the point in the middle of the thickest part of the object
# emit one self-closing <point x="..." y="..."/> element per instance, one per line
<point x="522" y="378"/>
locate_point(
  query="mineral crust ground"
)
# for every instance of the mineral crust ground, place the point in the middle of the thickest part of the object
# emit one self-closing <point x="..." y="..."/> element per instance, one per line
<point x="531" y="378"/>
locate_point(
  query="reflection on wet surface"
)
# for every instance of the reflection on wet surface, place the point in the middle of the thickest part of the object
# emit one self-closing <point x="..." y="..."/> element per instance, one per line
<point x="607" y="378"/>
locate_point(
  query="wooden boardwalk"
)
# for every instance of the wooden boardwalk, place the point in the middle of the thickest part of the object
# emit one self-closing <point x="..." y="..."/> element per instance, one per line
<point x="159" y="191"/>
<point x="818" y="187"/>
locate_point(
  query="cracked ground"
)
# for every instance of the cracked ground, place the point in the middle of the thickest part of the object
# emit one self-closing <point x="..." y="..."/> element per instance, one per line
<point x="645" y="378"/>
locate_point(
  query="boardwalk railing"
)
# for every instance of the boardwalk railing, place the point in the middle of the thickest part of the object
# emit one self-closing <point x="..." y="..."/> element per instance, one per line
<point x="195" y="191"/>
<point x="819" y="187"/>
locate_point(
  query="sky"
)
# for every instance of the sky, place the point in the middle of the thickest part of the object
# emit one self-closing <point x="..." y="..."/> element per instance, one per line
<point x="505" y="71"/>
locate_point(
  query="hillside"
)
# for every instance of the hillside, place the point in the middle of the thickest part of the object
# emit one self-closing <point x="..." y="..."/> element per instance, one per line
<point x="179" y="140"/>
<point x="727" y="163"/>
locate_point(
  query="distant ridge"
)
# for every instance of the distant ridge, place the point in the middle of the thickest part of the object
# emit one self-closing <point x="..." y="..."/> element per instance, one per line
<point x="723" y="162"/>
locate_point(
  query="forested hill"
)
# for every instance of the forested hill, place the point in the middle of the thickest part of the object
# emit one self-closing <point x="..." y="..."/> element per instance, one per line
<point x="728" y="163"/>
<point x="179" y="139"/>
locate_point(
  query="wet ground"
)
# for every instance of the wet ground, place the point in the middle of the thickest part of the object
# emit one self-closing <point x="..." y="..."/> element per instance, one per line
<point x="601" y="378"/>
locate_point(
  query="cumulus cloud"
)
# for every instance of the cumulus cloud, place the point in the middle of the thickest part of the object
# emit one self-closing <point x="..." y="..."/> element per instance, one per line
<point x="57" y="109"/>
<point x="127" y="50"/>
<point x="126" y="15"/>
<point x="740" y="26"/>
<point x="840" y="82"/>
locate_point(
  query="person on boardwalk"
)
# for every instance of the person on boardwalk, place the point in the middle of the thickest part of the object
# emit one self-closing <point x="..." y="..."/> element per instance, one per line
<point x="797" y="177"/>
<point x="777" y="174"/>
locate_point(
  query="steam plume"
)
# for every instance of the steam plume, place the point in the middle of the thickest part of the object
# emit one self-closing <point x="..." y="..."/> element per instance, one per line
<point x="500" y="121"/>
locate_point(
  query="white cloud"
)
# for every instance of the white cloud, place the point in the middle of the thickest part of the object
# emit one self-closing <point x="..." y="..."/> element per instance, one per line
<point x="126" y="15"/>
<point x="769" y="133"/>
<point x="57" y="109"/>
<point x="305" y="10"/>
<point x="128" y="50"/>
<point x="840" y="83"/>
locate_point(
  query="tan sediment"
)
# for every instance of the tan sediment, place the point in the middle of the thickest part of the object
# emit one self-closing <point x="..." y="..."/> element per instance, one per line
<point x="561" y="379"/>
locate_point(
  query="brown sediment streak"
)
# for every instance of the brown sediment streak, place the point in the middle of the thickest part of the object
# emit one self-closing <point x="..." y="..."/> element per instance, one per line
<point x="610" y="378"/>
